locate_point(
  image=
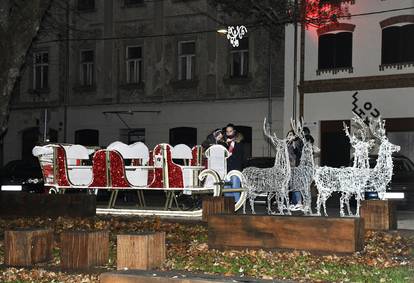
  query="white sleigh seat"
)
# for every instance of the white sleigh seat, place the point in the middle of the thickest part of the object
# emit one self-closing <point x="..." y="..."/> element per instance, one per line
<point x="216" y="160"/>
<point x="183" y="152"/>
<point x="78" y="175"/>
<point x="136" y="175"/>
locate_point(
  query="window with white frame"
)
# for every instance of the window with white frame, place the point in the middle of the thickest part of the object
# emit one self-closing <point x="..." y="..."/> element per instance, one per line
<point x="87" y="67"/>
<point x="40" y="70"/>
<point x="133" y="64"/>
<point x="186" y="60"/>
<point x="239" y="59"/>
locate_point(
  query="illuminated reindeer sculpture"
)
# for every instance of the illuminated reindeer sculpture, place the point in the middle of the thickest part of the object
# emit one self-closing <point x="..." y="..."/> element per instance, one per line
<point x="302" y="175"/>
<point x="347" y="180"/>
<point x="273" y="181"/>
<point x="381" y="174"/>
<point x="361" y="148"/>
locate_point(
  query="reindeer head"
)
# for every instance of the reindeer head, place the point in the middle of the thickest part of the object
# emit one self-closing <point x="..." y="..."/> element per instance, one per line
<point x="278" y="143"/>
<point x="377" y="128"/>
<point x="361" y="135"/>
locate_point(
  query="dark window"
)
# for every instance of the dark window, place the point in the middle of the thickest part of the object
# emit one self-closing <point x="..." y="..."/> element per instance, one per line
<point x="87" y="137"/>
<point x="133" y="2"/>
<point x="87" y="68"/>
<point x="133" y="64"/>
<point x="335" y="50"/>
<point x="40" y="70"/>
<point x="86" y="5"/>
<point x="239" y="64"/>
<point x="184" y="135"/>
<point x="186" y="57"/>
<point x="398" y="44"/>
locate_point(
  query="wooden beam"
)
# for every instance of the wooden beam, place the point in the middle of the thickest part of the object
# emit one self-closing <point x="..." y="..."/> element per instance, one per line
<point x="325" y="234"/>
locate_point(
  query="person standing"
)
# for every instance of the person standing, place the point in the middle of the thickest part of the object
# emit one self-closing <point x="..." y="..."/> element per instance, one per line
<point x="236" y="159"/>
<point x="295" y="151"/>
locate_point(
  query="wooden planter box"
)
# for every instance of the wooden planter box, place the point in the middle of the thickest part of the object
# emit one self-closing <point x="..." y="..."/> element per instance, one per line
<point x="25" y="247"/>
<point x="324" y="234"/>
<point x="49" y="205"/>
<point x="141" y="251"/>
<point x="379" y="214"/>
<point x="84" y="249"/>
<point x="217" y="205"/>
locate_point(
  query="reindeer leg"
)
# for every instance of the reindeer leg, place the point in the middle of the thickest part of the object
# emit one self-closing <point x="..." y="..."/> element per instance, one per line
<point x="286" y="199"/>
<point x="348" y="205"/>
<point x="251" y="200"/>
<point x="324" y="205"/>
<point x="318" y="204"/>
<point x="358" y="205"/>
<point x="341" y="205"/>
<point x="269" y="202"/>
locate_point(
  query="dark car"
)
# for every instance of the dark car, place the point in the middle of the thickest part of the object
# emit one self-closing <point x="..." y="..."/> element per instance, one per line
<point x="22" y="175"/>
<point x="402" y="181"/>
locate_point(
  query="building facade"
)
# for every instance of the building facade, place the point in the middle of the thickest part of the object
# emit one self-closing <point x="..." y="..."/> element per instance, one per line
<point x="362" y="64"/>
<point x="153" y="71"/>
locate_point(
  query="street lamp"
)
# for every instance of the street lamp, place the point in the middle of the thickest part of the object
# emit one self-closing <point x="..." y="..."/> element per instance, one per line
<point x="234" y="34"/>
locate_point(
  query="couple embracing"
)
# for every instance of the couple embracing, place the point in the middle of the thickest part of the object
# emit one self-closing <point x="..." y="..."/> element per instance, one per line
<point x="232" y="140"/>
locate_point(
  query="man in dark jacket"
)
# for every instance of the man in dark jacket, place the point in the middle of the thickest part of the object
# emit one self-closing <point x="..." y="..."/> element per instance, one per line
<point x="236" y="158"/>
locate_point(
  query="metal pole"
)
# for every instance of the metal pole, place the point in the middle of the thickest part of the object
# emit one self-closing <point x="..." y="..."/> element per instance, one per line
<point x="295" y="59"/>
<point x="66" y="94"/>
<point x="45" y="126"/>
<point x="269" y="110"/>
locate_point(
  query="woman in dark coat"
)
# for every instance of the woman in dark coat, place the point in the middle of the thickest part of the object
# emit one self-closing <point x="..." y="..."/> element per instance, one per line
<point x="236" y="158"/>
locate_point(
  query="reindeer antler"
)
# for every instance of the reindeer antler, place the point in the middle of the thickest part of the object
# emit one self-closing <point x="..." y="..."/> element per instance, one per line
<point x="297" y="128"/>
<point x="266" y="130"/>
<point x="352" y="138"/>
<point x="377" y="127"/>
<point x="364" y="129"/>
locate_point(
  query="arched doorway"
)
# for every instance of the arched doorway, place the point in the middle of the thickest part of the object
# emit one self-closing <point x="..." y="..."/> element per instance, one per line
<point x="246" y="131"/>
<point x="183" y="135"/>
<point x="30" y="138"/>
<point x="87" y="137"/>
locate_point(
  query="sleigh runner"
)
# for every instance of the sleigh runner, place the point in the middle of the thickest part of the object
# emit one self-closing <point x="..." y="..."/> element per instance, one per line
<point x="174" y="170"/>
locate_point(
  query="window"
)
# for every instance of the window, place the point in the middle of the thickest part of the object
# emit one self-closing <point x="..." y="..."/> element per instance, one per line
<point x="40" y="70"/>
<point x="335" y="50"/>
<point x="398" y="44"/>
<point x="86" y="71"/>
<point x="239" y="59"/>
<point x="130" y="136"/>
<point x="86" y="5"/>
<point x="133" y="2"/>
<point x="134" y="64"/>
<point x="186" y="60"/>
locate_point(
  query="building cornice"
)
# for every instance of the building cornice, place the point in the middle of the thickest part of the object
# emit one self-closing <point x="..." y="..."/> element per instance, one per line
<point x="358" y="83"/>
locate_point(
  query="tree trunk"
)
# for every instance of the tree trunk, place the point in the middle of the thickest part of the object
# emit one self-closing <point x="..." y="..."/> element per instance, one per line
<point x="19" y="23"/>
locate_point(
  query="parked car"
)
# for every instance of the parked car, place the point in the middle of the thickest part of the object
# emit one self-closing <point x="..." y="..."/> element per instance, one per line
<point x="402" y="181"/>
<point x="22" y="175"/>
